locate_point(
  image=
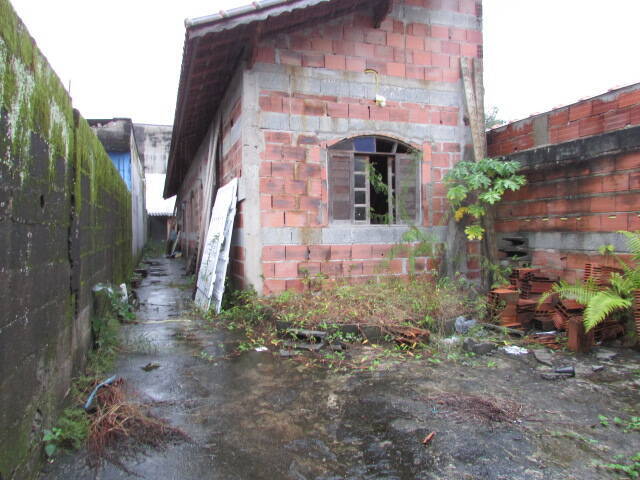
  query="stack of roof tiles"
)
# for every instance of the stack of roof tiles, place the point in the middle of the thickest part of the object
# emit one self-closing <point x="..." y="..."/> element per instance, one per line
<point x="599" y="274"/>
<point x="518" y="304"/>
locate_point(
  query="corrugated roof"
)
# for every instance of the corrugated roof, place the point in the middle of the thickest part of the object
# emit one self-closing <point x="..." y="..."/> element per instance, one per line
<point x="156" y="205"/>
<point x="214" y="48"/>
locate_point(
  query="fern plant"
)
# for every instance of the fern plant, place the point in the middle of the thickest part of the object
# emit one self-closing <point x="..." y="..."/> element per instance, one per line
<point x="601" y="302"/>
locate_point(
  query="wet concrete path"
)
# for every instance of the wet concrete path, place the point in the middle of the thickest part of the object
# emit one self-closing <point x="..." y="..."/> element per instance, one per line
<point x="258" y="416"/>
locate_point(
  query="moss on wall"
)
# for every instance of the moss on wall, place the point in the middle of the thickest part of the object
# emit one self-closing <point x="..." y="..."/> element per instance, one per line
<point x="72" y="237"/>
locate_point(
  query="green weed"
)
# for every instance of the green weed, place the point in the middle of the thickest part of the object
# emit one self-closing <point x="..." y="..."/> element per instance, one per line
<point x="69" y="434"/>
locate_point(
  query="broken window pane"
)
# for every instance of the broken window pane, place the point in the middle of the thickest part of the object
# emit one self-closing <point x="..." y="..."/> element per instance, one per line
<point x="384" y="145"/>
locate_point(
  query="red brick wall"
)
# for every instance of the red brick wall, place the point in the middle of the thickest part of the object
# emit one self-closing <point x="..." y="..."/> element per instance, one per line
<point x="602" y="195"/>
<point x="414" y="50"/>
<point x="606" y="113"/>
<point x="231" y="165"/>
<point x="287" y="267"/>
<point x="190" y="198"/>
<point x="293" y="176"/>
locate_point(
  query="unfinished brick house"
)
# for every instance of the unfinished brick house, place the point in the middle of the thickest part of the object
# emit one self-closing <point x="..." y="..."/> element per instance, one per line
<point x="339" y="117"/>
<point x="582" y="163"/>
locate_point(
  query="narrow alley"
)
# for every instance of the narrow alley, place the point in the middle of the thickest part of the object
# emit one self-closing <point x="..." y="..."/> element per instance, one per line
<point x="293" y="239"/>
<point x="257" y="415"/>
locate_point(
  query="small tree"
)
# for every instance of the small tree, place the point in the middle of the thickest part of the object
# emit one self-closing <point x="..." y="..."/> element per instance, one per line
<point x="473" y="187"/>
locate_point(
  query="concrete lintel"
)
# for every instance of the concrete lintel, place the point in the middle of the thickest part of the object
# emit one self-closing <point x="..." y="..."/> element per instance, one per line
<point x="317" y="81"/>
<point x="343" y="235"/>
<point x="332" y="125"/>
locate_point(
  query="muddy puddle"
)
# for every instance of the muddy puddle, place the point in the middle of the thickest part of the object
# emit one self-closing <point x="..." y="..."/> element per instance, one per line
<point x="260" y="416"/>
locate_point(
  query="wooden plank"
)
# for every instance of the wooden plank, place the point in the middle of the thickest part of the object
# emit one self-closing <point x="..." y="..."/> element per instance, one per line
<point x="207" y="192"/>
<point x="469" y="92"/>
<point x="478" y="75"/>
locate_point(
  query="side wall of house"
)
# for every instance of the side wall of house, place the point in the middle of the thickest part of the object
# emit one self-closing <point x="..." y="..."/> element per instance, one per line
<point x="579" y="192"/>
<point x="190" y="197"/>
<point x="65" y="224"/>
<point x="308" y="90"/>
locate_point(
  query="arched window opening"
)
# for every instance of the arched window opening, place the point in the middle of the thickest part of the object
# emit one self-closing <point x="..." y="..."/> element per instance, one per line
<point x="373" y="180"/>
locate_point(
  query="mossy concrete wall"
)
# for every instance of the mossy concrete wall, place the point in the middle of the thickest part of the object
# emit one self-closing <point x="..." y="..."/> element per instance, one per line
<point x="65" y="225"/>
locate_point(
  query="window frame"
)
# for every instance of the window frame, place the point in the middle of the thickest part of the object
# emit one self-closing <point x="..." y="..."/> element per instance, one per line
<point x="392" y="159"/>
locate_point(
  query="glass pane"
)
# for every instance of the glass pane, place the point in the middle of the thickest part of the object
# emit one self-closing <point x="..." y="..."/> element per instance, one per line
<point x="359" y="181"/>
<point x="364" y="144"/>
<point x="361" y="213"/>
<point x="361" y="197"/>
<point x="360" y="164"/>
<point x="343" y="145"/>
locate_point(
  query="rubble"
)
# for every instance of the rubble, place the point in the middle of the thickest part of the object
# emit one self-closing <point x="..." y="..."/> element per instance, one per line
<point x="544" y="357"/>
<point x="462" y="324"/>
<point x="606" y="355"/>
<point x="522" y="306"/>
<point x="479" y="348"/>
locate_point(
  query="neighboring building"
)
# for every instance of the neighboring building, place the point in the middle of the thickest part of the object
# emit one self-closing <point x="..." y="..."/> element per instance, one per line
<point x="329" y="177"/>
<point x="582" y="164"/>
<point x="154" y="142"/>
<point x="117" y="138"/>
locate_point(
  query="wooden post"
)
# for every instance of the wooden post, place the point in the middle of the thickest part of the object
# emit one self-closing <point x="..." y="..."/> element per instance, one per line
<point x="207" y="192"/>
<point x="472" y="77"/>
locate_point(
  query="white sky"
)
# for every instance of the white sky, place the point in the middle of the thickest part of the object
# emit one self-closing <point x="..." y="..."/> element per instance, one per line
<point x="123" y="57"/>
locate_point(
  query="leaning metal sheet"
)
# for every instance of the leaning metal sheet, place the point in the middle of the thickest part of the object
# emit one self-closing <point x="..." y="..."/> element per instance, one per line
<point x="223" y="209"/>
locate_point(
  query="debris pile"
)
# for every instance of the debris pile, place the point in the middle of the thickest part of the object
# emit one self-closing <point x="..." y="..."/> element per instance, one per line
<point x="518" y="305"/>
<point x="484" y="409"/>
<point x="118" y="424"/>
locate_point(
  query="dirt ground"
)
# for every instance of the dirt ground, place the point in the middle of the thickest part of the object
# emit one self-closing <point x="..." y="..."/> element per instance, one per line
<point x="260" y="416"/>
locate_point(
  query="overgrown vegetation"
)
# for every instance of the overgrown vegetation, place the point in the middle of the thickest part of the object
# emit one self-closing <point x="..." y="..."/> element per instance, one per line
<point x="70" y="434"/>
<point x="630" y="469"/>
<point x="615" y="297"/>
<point x="73" y="426"/>
<point x="389" y="304"/>
<point x="420" y="301"/>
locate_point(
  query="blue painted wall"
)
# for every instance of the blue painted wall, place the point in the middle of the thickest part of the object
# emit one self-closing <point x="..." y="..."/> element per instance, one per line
<point x="122" y="161"/>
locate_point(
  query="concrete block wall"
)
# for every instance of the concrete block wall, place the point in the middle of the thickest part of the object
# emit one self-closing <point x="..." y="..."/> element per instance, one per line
<point x="307" y="90"/>
<point x="608" y="112"/>
<point x="60" y="231"/>
<point x="190" y="199"/>
<point x="579" y="195"/>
